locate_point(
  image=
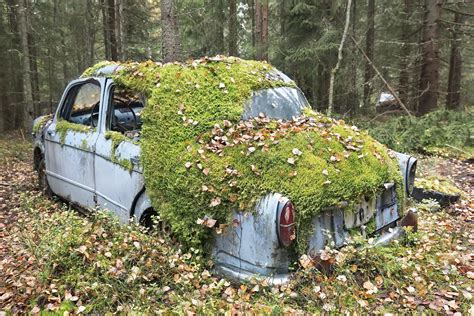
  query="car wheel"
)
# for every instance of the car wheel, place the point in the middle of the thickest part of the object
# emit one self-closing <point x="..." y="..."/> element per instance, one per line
<point x="42" y="179"/>
<point x="151" y="220"/>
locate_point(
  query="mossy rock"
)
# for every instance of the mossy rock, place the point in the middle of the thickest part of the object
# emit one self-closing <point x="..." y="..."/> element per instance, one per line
<point x="200" y="159"/>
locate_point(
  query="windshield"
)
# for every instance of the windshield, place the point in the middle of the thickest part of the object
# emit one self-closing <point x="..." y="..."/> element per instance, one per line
<point x="276" y="103"/>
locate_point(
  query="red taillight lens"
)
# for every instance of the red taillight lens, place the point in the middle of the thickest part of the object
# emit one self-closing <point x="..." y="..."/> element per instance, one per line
<point x="286" y="224"/>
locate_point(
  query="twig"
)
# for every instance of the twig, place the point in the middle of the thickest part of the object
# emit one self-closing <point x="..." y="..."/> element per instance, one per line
<point x="392" y="91"/>
<point x="22" y="135"/>
<point x="456" y="148"/>
<point x="380" y="114"/>
<point x="5" y="184"/>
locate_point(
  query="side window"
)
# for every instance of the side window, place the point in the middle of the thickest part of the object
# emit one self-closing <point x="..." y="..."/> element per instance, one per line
<point x="124" y="114"/>
<point x="82" y="104"/>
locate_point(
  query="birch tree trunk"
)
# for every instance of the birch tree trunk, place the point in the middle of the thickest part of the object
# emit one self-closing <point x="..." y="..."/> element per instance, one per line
<point x="339" y="59"/>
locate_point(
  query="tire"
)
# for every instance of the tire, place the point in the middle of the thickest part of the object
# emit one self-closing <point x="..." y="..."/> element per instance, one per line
<point x="155" y="225"/>
<point x="43" y="180"/>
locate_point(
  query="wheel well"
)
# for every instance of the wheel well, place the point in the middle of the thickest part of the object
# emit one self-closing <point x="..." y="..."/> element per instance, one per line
<point x="146" y="218"/>
<point x="37" y="156"/>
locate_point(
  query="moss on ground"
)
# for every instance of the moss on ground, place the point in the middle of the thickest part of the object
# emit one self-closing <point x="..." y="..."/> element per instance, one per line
<point x="438" y="184"/>
<point x="200" y="160"/>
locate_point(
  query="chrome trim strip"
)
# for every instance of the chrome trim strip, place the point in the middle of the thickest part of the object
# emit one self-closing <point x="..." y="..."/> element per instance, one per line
<point x="77" y="184"/>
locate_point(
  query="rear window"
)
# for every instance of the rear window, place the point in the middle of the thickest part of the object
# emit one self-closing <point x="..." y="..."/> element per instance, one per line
<point x="277" y="103"/>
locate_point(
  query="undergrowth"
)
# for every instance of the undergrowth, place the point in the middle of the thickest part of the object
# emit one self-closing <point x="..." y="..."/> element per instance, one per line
<point x="96" y="265"/>
<point x="439" y="132"/>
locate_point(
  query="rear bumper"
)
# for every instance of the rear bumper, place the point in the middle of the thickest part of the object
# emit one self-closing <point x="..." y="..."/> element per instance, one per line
<point x="387" y="235"/>
<point x="409" y="220"/>
<point x="238" y="275"/>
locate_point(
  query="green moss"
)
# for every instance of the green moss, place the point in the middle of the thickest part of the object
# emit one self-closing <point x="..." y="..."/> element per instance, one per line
<point x="199" y="159"/>
<point x="437" y="183"/>
<point x="63" y="126"/>
<point x="116" y="139"/>
<point x="84" y="145"/>
<point x="41" y="122"/>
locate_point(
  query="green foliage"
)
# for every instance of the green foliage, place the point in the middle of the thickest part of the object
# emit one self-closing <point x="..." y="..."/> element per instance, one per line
<point x="116" y="139"/>
<point x="63" y="127"/>
<point x="200" y="160"/>
<point x="427" y="133"/>
<point x="41" y="121"/>
<point x="437" y="183"/>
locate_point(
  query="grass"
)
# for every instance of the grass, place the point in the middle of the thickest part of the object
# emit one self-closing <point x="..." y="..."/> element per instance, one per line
<point x="104" y="266"/>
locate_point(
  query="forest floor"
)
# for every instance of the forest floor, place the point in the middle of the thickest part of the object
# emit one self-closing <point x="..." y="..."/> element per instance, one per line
<point x="53" y="259"/>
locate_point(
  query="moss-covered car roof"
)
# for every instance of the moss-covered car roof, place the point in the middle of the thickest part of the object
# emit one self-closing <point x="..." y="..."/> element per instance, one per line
<point x="200" y="159"/>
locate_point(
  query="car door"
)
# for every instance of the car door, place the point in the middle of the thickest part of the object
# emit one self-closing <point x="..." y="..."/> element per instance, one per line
<point x="70" y="142"/>
<point x="118" y="175"/>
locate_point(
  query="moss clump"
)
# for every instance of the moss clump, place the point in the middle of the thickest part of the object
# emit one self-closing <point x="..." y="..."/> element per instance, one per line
<point x="438" y="184"/>
<point x="200" y="160"/>
<point x="41" y="122"/>
<point x="63" y="126"/>
<point x="116" y="139"/>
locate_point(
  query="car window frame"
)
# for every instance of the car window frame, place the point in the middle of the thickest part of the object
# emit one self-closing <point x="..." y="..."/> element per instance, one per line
<point x="65" y="99"/>
<point x="109" y="90"/>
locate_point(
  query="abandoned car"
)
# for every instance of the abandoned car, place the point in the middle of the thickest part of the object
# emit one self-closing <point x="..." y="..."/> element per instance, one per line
<point x="229" y="154"/>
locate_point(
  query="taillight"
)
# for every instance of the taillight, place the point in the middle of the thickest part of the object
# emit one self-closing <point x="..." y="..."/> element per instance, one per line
<point x="286" y="224"/>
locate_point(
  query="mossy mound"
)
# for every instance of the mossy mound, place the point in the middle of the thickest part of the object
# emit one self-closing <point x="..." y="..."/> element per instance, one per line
<point x="438" y="184"/>
<point x="200" y="159"/>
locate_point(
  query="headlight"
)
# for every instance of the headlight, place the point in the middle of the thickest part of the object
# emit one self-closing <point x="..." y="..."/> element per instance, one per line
<point x="408" y="169"/>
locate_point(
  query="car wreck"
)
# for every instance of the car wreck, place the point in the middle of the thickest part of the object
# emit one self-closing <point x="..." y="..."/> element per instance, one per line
<point x="229" y="154"/>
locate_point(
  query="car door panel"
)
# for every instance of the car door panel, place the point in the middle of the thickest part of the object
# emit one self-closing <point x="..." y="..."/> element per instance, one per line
<point x="69" y="158"/>
<point x="116" y="185"/>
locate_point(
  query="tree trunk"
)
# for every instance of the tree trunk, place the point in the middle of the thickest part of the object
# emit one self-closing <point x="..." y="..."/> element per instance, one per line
<point x="233" y="27"/>
<point x="403" y="83"/>
<point x="258" y="28"/>
<point x="264" y="41"/>
<point x="353" y="101"/>
<point x="34" y="73"/>
<point x="339" y="58"/>
<point x="170" y="32"/>
<point x="105" y="28"/>
<point x="118" y="28"/>
<point x="28" y="107"/>
<point x="90" y="31"/>
<point x="429" y="75"/>
<point x="220" y="19"/>
<point x="369" y="50"/>
<point x="261" y="29"/>
<point x="453" y="98"/>
<point x="111" y="30"/>
<point x="252" y="13"/>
